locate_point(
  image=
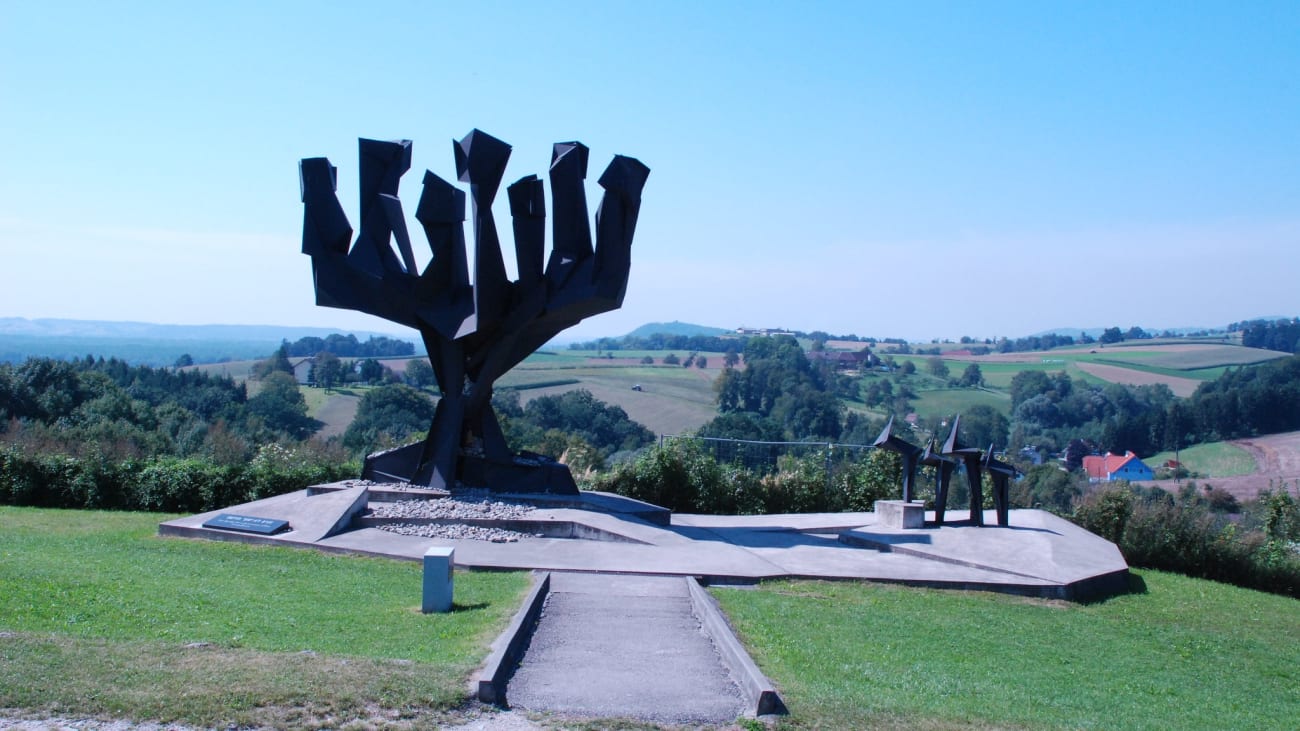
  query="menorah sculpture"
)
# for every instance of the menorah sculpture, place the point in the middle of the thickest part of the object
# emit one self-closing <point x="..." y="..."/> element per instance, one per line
<point x="476" y="332"/>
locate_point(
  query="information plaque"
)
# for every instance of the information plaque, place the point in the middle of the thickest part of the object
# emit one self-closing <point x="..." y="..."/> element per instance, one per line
<point x="248" y="524"/>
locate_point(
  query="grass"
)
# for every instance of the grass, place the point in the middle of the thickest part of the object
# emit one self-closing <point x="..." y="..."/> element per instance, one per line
<point x="1215" y="459"/>
<point x="948" y="401"/>
<point x="1179" y="653"/>
<point x="210" y="634"/>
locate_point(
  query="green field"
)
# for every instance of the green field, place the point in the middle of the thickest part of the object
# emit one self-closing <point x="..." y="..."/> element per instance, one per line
<point x="948" y="401"/>
<point x="98" y="615"/>
<point x="1216" y="459"/>
<point x="1179" y="654"/>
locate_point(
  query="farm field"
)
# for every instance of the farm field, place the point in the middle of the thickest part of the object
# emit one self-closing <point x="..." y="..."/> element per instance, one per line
<point x="1181" y="366"/>
<point x="1216" y="459"/>
<point x="1277" y="465"/>
<point x="674" y="399"/>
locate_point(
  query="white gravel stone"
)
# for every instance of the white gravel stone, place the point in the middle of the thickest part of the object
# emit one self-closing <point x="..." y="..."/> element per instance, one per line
<point x="452" y="508"/>
<point x="456" y="531"/>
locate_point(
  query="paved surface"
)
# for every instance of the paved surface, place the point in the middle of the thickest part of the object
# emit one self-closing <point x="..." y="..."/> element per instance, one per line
<point x="1039" y="554"/>
<point x="612" y="646"/>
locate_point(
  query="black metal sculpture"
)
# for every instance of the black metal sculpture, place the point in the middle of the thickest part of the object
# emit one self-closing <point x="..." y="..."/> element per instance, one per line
<point x="474" y="332"/>
<point x="971" y="458"/>
<point x="906" y="450"/>
<point x="943" y="469"/>
<point x="1002" y="473"/>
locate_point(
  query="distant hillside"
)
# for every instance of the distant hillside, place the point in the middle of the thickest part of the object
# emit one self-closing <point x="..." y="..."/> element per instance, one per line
<point x="142" y="343"/>
<point x="676" y="328"/>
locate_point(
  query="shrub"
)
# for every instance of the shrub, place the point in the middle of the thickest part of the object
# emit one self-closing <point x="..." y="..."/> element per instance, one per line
<point x="167" y="484"/>
<point x="673" y="476"/>
<point x="1155" y="531"/>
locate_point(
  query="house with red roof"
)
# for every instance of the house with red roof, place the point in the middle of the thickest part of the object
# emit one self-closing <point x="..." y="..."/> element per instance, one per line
<point x="1110" y="467"/>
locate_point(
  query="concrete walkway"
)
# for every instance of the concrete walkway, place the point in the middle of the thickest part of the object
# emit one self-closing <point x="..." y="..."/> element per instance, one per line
<point x="624" y="646"/>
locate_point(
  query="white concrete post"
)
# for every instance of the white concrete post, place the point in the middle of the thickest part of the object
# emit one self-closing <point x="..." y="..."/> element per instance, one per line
<point x="439" y="563"/>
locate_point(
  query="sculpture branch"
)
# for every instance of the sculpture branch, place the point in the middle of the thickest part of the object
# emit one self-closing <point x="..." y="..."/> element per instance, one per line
<point x="474" y="332"/>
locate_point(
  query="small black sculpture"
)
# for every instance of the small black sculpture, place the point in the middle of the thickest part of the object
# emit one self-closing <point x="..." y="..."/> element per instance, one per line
<point x="906" y="450"/>
<point x="971" y="458"/>
<point x="1001" y="472"/>
<point x="943" y="469"/>
<point x="475" y="332"/>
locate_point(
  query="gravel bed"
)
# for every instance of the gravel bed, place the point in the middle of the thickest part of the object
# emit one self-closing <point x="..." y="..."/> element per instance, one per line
<point x="457" y="508"/>
<point x="456" y="531"/>
<point x="463" y="507"/>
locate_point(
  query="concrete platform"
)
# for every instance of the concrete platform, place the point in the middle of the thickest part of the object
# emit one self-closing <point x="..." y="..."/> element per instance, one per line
<point x="1039" y="554"/>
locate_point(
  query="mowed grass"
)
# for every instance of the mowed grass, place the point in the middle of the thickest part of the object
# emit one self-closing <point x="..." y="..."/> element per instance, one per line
<point x="945" y="402"/>
<point x="1216" y="459"/>
<point x="672" y="399"/>
<point x="1182" y="654"/>
<point x="99" y="615"/>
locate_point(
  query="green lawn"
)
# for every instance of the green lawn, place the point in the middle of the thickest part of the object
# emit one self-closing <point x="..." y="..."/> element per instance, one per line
<point x="949" y="401"/>
<point x="1216" y="459"/>
<point x="1183" y="654"/>
<point x="205" y="633"/>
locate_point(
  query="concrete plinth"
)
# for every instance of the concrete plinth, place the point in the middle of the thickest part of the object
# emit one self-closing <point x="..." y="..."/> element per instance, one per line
<point x="439" y="564"/>
<point x="899" y="515"/>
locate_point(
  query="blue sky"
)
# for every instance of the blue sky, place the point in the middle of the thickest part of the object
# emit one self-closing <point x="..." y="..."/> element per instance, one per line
<point x="903" y="169"/>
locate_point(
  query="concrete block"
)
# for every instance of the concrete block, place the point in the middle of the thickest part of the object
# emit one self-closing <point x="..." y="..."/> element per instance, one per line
<point x="439" y="565"/>
<point x="899" y="515"/>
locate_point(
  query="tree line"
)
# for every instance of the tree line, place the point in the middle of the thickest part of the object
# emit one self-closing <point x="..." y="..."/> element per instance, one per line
<point x="1056" y="413"/>
<point x="347" y="346"/>
<point x="1280" y="335"/>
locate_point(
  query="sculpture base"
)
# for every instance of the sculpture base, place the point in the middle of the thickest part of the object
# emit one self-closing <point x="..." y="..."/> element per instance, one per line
<point x="524" y="473"/>
<point x="900" y="515"/>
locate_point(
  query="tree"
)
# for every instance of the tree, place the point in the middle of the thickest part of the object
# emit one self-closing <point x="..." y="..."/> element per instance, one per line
<point x="971" y="377"/>
<point x="328" y="370"/>
<point x="388" y="416"/>
<point x="419" y="373"/>
<point x="184" y="360"/>
<point x="701" y="362"/>
<point x="982" y="425"/>
<point x="279" y="361"/>
<point x="281" y="406"/>
<point x="1110" y="336"/>
<point x="731" y="359"/>
<point x="647" y="360"/>
<point x="936" y="367"/>
<point x="1028" y="384"/>
<point x="908" y="368"/>
<point x="672" y="359"/>
<point x="372" y="371"/>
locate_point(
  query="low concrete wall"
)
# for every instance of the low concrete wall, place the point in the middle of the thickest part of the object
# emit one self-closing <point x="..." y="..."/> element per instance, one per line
<point x="758" y="690"/>
<point x="490" y="684"/>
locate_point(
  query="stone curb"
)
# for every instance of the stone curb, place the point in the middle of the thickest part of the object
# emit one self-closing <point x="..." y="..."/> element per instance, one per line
<point x="759" y="691"/>
<point x="490" y="685"/>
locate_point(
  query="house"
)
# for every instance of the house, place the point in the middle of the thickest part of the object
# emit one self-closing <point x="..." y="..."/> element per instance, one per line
<point x="302" y="368"/>
<point x="1110" y="467"/>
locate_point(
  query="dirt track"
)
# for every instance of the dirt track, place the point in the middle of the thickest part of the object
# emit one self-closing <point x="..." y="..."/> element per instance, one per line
<point x="1183" y="387"/>
<point x="1277" y="460"/>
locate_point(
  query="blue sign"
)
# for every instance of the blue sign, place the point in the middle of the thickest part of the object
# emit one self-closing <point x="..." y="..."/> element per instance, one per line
<point x="248" y="524"/>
